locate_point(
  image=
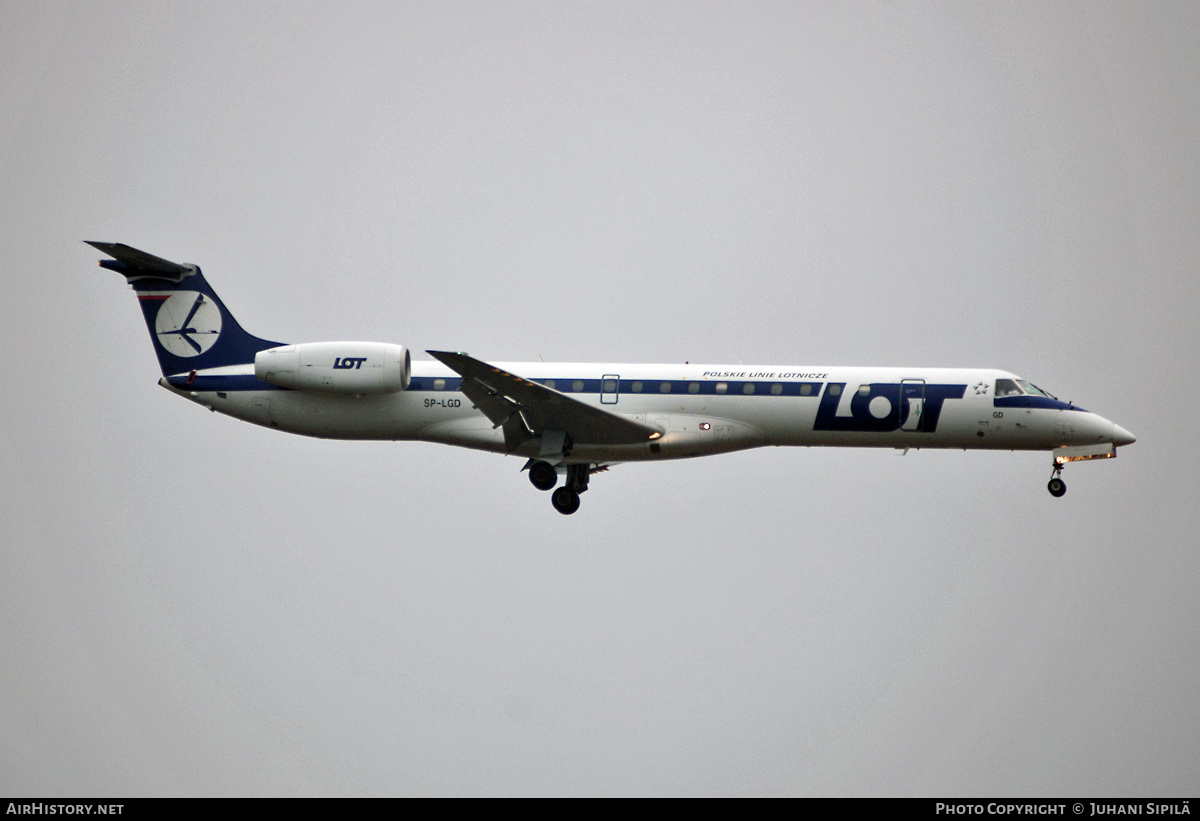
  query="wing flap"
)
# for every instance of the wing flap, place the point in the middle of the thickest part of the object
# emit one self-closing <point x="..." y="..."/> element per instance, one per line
<point x="506" y="398"/>
<point x="502" y="411"/>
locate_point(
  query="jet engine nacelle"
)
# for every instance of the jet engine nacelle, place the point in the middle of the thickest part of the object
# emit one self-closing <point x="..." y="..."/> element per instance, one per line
<point x="353" y="368"/>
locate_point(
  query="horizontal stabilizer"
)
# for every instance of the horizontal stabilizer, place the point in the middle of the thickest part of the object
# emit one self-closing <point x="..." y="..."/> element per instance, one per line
<point x="138" y="264"/>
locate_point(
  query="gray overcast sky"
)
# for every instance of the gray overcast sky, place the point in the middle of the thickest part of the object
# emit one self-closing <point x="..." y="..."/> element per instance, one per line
<point x="192" y="605"/>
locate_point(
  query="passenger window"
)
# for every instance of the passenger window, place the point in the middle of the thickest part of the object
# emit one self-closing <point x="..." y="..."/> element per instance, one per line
<point x="610" y="386"/>
<point x="748" y="388"/>
<point x="806" y="390"/>
<point x="1006" y="387"/>
<point x="664" y="387"/>
<point x="550" y="384"/>
<point x="636" y="387"/>
<point x="577" y="385"/>
<point x="776" y="389"/>
<point x="693" y="387"/>
<point x="439" y="384"/>
<point x="864" y="390"/>
<point x="722" y="387"/>
<point x="834" y="390"/>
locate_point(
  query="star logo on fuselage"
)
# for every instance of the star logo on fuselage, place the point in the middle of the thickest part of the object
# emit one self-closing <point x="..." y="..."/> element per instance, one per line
<point x="981" y="388"/>
<point x="188" y="323"/>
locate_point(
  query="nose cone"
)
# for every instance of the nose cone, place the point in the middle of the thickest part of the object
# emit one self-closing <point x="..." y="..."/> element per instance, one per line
<point x="1122" y="436"/>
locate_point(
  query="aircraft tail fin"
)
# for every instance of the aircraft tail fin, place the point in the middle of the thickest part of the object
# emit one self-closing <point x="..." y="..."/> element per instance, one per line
<point x="189" y="324"/>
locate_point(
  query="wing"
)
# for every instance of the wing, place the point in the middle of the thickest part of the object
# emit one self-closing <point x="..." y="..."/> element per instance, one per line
<point x="526" y="409"/>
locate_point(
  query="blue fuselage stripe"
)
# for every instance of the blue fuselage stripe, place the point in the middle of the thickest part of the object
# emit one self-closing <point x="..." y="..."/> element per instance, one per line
<point x="1044" y="402"/>
<point x="650" y="387"/>
<point x="629" y="387"/>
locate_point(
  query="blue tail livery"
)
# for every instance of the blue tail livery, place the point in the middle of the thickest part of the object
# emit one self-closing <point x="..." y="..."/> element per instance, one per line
<point x="190" y="326"/>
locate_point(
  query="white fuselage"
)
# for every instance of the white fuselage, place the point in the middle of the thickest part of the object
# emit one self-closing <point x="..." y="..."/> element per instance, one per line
<point x="700" y="409"/>
<point x="571" y="420"/>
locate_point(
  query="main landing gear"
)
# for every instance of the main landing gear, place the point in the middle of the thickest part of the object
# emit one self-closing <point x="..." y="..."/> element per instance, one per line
<point x="1057" y="486"/>
<point x="565" y="500"/>
<point x="544" y="476"/>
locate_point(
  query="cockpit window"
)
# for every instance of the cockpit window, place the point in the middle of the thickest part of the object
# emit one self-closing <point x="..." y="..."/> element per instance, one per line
<point x="1034" y="389"/>
<point x="1006" y="387"/>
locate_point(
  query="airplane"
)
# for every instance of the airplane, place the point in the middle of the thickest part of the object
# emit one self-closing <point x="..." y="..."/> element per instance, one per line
<point x="571" y="421"/>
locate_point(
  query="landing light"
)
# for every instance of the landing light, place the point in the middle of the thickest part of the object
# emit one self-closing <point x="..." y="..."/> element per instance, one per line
<point x="1062" y="460"/>
<point x="655" y="435"/>
<point x="1084" y="453"/>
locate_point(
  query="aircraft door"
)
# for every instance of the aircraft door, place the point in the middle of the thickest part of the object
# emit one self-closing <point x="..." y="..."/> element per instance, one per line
<point x="610" y="388"/>
<point x="912" y="394"/>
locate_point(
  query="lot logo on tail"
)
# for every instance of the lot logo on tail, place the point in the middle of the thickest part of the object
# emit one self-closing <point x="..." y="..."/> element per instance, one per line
<point x="188" y="323"/>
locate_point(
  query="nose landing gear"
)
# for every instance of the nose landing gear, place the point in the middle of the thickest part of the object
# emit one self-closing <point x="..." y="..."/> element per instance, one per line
<point x="1057" y="486"/>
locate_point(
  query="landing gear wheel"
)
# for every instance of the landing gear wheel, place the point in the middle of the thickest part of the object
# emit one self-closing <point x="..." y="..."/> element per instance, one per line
<point x="565" y="500"/>
<point x="1057" y="487"/>
<point x="542" y="475"/>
